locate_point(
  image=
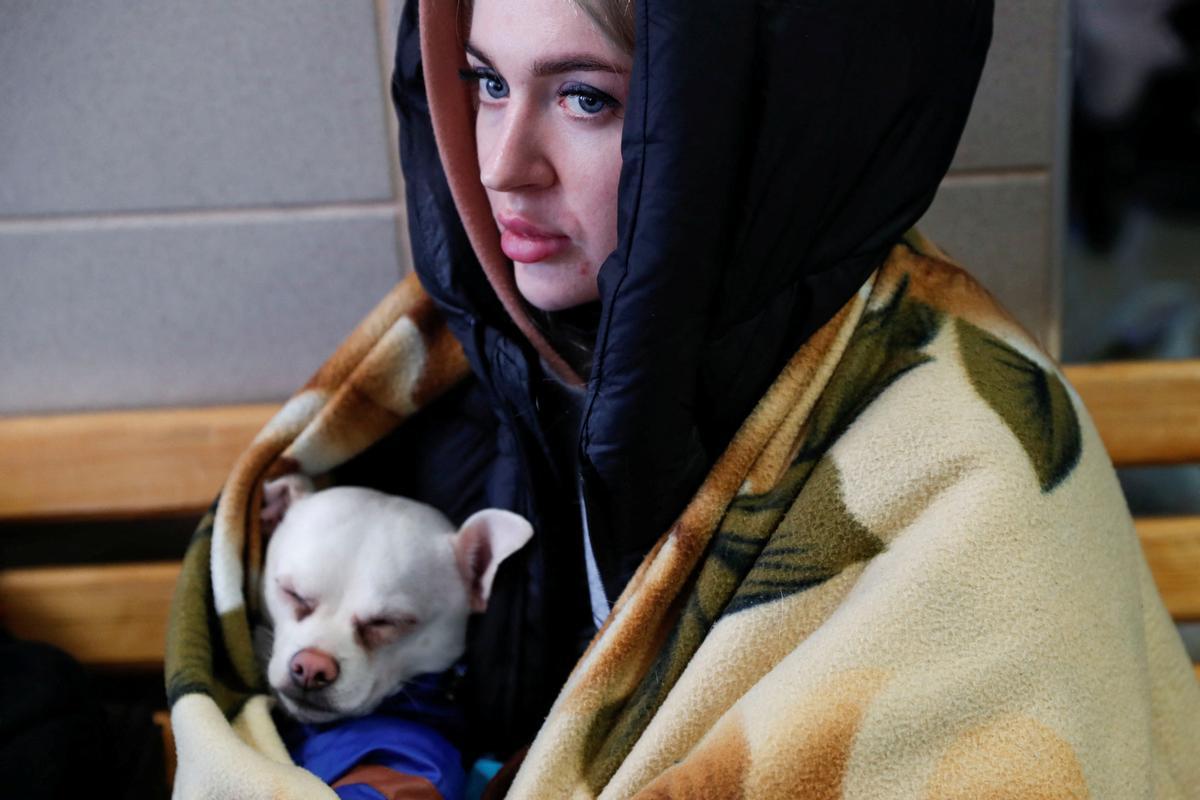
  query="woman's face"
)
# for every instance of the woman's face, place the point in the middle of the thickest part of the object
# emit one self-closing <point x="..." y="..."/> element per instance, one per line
<point x="551" y="93"/>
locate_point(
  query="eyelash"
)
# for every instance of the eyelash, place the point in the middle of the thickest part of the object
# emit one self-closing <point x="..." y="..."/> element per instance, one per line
<point x="477" y="74"/>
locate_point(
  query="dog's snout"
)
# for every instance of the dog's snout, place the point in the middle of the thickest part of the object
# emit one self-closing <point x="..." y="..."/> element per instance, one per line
<point x="313" y="669"/>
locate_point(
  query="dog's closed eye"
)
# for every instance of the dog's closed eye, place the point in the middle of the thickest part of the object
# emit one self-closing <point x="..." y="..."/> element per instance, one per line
<point x="377" y="631"/>
<point x="301" y="605"/>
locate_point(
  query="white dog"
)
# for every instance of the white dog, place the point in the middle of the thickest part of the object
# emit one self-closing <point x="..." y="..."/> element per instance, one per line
<point x="366" y="590"/>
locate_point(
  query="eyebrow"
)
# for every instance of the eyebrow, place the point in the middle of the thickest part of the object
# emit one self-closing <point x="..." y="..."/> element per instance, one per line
<point x="556" y="66"/>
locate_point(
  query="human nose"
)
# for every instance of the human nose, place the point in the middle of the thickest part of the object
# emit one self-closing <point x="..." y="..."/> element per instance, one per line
<point x="516" y="157"/>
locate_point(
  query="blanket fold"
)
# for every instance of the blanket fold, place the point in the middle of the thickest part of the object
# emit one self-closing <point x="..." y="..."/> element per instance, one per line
<point x="910" y="574"/>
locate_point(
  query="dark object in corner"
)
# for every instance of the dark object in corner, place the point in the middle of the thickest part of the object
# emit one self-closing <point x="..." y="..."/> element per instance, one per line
<point x="58" y="740"/>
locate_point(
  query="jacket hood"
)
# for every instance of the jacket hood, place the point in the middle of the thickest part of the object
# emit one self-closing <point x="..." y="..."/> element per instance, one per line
<point x="773" y="152"/>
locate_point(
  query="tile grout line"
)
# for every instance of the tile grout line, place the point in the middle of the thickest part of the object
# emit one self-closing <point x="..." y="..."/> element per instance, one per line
<point x="997" y="173"/>
<point x="110" y="220"/>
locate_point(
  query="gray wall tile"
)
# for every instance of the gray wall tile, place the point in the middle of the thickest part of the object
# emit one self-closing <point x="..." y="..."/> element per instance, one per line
<point x="999" y="228"/>
<point x="1013" y="120"/>
<point x="183" y="314"/>
<point x="167" y="104"/>
<point x="390" y="19"/>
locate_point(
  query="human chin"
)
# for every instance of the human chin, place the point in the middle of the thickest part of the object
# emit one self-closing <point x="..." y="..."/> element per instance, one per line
<point x="555" y="287"/>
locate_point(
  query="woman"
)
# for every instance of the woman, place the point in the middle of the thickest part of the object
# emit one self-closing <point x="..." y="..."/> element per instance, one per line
<point x="772" y="156"/>
<point x="673" y="246"/>
<point x="749" y="228"/>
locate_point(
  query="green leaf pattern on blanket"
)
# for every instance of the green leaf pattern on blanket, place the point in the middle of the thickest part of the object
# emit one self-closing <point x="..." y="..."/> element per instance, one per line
<point x="195" y="662"/>
<point x="816" y="540"/>
<point x="771" y="545"/>
<point x="1032" y="401"/>
<point x="888" y="344"/>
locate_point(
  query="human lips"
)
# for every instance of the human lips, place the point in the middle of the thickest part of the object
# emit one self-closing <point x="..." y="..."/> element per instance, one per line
<point x="525" y="242"/>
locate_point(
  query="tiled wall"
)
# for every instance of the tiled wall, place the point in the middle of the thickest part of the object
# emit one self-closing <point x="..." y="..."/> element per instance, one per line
<point x="199" y="200"/>
<point x="1001" y="209"/>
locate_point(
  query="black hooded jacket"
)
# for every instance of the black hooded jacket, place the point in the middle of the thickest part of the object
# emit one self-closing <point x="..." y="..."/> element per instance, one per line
<point x="773" y="152"/>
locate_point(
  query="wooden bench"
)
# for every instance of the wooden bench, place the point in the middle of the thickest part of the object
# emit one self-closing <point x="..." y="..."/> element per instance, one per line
<point x="124" y="465"/>
<point x="158" y="463"/>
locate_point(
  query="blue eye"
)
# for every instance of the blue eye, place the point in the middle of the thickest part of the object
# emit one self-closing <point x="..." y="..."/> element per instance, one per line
<point x="588" y="104"/>
<point x="586" y="101"/>
<point x="495" y="87"/>
<point x="487" y="80"/>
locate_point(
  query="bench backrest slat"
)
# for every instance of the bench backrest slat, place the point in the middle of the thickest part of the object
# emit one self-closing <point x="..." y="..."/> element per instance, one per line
<point x="121" y="464"/>
<point x="112" y="616"/>
<point x="1148" y="412"/>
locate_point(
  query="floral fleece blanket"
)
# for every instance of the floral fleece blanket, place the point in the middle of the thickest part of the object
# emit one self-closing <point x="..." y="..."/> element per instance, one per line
<point x="911" y="575"/>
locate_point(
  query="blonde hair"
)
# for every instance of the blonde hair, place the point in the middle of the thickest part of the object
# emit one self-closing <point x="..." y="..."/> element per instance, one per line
<point x="613" y="18"/>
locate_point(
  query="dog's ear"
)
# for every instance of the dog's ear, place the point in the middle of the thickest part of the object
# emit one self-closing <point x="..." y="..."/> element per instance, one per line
<point x="484" y="540"/>
<point x="279" y="495"/>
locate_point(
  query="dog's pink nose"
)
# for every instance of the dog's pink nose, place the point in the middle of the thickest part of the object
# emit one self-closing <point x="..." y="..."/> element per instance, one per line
<point x="313" y="669"/>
